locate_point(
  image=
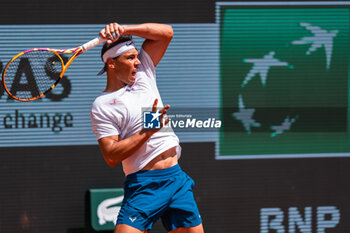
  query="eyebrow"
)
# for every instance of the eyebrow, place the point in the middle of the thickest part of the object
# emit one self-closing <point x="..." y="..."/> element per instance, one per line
<point x="132" y="54"/>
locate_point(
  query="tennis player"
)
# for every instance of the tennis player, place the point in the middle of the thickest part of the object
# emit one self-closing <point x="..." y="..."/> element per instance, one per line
<point x="155" y="186"/>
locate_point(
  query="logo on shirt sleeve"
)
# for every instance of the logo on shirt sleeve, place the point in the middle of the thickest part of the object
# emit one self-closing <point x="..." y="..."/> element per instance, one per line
<point x="151" y="120"/>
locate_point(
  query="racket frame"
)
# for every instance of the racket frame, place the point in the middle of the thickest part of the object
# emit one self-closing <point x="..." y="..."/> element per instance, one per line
<point x="77" y="51"/>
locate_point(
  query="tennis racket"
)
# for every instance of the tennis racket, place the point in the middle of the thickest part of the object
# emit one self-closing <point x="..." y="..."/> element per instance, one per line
<point x="43" y="68"/>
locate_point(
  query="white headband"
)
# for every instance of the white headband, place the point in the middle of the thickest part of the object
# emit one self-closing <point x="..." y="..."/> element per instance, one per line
<point x="118" y="50"/>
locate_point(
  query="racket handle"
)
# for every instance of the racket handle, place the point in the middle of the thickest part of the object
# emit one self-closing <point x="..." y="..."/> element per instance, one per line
<point x="92" y="43"/>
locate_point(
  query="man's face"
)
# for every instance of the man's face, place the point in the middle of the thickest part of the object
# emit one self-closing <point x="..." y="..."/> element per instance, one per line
<point x="126" y="66"/>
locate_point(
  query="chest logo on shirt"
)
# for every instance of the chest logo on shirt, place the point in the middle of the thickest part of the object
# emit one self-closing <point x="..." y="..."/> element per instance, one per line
<point x="113" y="102"/>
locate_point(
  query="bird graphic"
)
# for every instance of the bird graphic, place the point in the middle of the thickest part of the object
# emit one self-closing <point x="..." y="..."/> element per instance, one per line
<point x="320" y="38"/>
<point x="245" y="115"/>
<point x="286" y="125"/>
<point x="262" y="66"/>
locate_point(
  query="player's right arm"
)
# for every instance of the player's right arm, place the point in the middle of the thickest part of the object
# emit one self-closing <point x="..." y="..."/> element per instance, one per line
<point x="115" y="150"/>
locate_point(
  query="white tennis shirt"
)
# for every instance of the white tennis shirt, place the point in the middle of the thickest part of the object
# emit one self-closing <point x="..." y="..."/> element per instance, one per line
<point x="121" y="112"/>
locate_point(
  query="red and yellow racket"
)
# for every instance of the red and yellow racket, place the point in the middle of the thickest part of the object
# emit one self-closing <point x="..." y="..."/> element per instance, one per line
<point x="38" y="65"/>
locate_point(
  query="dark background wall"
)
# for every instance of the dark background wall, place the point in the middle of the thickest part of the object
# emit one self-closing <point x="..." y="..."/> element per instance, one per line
<point x="44" y="188"/>
<point x="102" y="11"/>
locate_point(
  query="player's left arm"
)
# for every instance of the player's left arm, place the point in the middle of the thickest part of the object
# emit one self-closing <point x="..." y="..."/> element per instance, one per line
<point x="158" y="37"/>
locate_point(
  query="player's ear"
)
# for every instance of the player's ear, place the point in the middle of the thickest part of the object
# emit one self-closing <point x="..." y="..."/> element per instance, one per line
<point x="111" y="63"/>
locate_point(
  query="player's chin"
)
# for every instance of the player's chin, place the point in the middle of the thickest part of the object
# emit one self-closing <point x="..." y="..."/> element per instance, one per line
<point x="132" y="77"/>
<point x="131" y="81"/>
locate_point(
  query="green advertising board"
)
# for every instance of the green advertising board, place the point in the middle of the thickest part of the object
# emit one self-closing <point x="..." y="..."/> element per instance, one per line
<point x="284" y="76"/>
<point x="104" y="207"/>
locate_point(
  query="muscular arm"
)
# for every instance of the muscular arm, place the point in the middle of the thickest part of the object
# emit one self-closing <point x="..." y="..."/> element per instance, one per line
<point x="115" y="151"/>
<point x="158" y="37"/>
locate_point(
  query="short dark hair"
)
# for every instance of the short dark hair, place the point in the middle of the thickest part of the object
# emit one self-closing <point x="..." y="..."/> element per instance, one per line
<point x="106" y="47"/>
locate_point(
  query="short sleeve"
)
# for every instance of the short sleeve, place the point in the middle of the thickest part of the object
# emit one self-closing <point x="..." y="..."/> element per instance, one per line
<point x="147" y="64"/>
<point x="102" y="125"/>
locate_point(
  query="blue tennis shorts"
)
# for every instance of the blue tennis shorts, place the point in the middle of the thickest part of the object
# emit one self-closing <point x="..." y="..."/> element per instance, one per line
<point x="153" y="194"/>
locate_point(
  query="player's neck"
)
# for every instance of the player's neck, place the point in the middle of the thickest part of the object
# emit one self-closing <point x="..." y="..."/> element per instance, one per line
<point x="112" y="88"/>
<point x="113" y="84"/>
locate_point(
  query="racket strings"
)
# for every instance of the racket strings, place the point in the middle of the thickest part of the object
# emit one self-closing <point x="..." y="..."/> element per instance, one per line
<point x="32" y="74"/>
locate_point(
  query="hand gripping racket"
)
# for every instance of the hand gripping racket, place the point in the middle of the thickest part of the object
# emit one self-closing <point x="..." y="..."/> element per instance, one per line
<point x="43" y="68"/>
